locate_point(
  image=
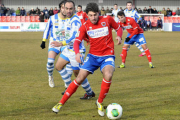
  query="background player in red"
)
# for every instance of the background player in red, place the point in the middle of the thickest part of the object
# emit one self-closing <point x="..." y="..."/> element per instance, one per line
<point x="101" y="54"/>
<point x="135" y="34"/>
<point x="82" y="15"/>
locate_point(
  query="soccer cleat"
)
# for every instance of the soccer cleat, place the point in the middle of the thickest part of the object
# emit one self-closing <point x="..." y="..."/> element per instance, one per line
<point x="142" y="54"/>
<point x="122" y="66"/>
<point x="57" y="107"/>
<point x="87" y="97"/>
<point x="151" y="65"/>
<point x="100" y="108"/>
<point x="51" y="81"/>
<point x="64" y="91"/>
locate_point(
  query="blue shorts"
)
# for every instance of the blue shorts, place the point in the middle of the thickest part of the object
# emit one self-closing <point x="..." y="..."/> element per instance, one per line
<point x="139" y="38"/>
<point x="92" y="63"/>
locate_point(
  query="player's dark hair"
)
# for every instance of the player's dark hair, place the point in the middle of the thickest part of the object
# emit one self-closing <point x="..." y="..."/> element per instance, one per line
<point x="128" y="2"/>
<point x="120" y="13"/>
<point x="70" y="2"/>
<point x="61" y="3"/>
<point x="92" y="7"/>
<point x="116" y="4"/>
<point x="80" y="6"/>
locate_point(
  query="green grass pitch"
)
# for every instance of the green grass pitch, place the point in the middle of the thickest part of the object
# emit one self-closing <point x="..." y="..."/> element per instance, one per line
<point x="144" y="93"/>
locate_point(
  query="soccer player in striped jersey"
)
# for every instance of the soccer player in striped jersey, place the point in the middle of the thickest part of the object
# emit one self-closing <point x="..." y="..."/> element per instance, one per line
<point x="72" y="26"/>
<point x="56" y="28"/>
<point x="98" y="29"/>
<point x="115" y="11"/>
<point x="135" y="34"/>
<point x="129" y="12"/>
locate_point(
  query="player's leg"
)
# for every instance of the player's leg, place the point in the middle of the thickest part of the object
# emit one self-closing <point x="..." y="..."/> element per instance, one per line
<point x="107" y="69"/>
<point x="50" y="67"/>
<point x="141" y="49"/>
<point x="87" y="68"/>
<point x="86" y="86"/>
<point x="71" y="89"/>
<point x="123" y="55"/>
<point x="69" y="69"/>
<point x="61" y="63"/>
<point x="142" y="41"/>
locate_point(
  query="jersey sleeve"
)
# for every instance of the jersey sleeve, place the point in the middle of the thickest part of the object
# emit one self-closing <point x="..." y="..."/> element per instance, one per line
<point x="135" y="28"/>
<point x="47" y="30"/>
<point x="137" y="16"/>
<point x="112" y="23"/>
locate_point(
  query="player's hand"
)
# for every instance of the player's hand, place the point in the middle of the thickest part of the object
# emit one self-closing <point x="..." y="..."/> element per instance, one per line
<point x="78" y="57"/>
<point x="127" y="39"/>
<point x="119" y="40"/>
<point x="56" y="44"/>
<point x="42" y="45"/>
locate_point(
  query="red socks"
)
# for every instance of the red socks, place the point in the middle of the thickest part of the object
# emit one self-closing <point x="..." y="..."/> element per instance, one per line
<point x="148" y="54"/>
<point x="70" y="90"/>
<point x="105" y="85"/>
<point x="124" y="54"/>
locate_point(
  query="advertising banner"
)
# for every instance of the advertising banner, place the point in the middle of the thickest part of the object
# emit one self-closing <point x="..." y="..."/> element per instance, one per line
<point x="10" y="27"/>
<point x="33" y="26"/>
<point x="176" y="27"/>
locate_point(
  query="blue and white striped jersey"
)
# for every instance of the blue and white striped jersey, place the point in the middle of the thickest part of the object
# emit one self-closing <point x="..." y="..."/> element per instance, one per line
<point x="114" y="12"/>
<point x="133" y="14"/>
<point x="65" y="30"/>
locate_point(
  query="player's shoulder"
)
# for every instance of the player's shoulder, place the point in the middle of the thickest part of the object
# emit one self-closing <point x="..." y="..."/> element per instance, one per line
<point x="74" y="18"/>
<point x="129" y="19"/>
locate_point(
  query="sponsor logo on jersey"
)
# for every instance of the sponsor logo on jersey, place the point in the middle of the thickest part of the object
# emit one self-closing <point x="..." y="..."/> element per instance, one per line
<point x="127" y="27"/>
<point x="103" y="24"/>
<point x="100" y="32"/>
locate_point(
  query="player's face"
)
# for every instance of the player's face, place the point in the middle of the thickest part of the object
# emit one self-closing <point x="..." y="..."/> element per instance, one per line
<point x="63" y="10"/>
<point x="122" y="18"/>
<point x="129" y="6"/>
<point x="79" y="9"/>
<point x="93" y="17"/>
<point x="115" y="7"/>
<point x="69" y="9"/>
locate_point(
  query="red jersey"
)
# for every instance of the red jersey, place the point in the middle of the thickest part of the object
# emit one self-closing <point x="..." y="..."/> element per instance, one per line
<point x="82" y="16"/>
<point x="131" y="26"/>
<point x="99" y="35"/>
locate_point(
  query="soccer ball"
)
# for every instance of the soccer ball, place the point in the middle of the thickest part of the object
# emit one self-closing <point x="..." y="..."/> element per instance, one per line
<point x="114" y="111"/>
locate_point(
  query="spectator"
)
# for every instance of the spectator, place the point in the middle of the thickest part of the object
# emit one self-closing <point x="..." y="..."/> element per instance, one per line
<point x="8" y="12"/>
<point x="55" y="11"/>
<point x="178" y="11"/>
<point x="41" y="17"/>
<point x="136" y="9"/>
<point x="150" y="10"/>
<point x="23" y="12"/>
<point x="146" y="24"/>
<point x="173" y="12"/>
<point x="164" y="12"/>
<point x="111" y="10"/>
<point x="18" y="11"/>
<point x="32" y="12"/>
<point x="2" y="10"/>
<point x="38" y="11"/>
<point x="107" y="11"/>
<point x="121" y="9"/>
<point x="159" y="23"/>
<point x="139" y="10"/>
<point x="51" y="12"/>
<point x="169" y="12"/>
<point x="102" y="11"/>
<point x="46" y="13"/>
<point x="145" y="10"/>
<point x="155" y="11"/>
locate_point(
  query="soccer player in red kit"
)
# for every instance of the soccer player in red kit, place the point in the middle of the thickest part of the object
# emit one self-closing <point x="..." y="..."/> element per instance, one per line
<point x="135" y="34"/>
<point x="82" y="15"/>
<point x="101" y="54"/>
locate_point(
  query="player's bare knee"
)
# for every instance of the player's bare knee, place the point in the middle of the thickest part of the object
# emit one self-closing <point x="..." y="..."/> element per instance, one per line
<point x="108" y="76"/>
<point x="58" y="68"/>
